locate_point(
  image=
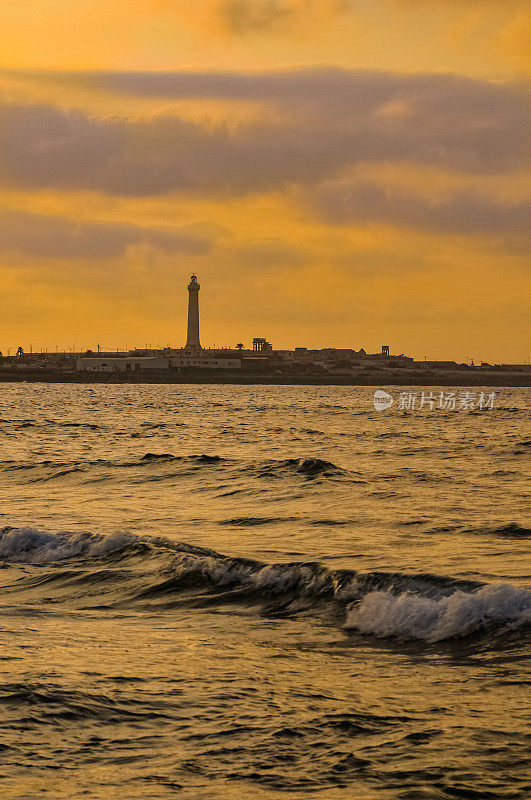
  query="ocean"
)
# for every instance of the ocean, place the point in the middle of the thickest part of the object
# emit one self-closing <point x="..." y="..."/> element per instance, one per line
<point x="240" y="592"/>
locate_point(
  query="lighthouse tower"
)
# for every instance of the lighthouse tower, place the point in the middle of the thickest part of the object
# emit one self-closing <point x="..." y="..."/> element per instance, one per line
<point x="192" y="342"/>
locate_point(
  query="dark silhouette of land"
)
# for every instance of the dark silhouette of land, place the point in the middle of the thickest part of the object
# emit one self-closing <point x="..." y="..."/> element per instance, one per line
<point x="473" y="376"/>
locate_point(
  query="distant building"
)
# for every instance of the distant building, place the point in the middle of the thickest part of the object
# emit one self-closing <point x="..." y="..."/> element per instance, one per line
<point x="439" y="364"/>
<point x="127" y="364"/>
<point x="262" y="345"/>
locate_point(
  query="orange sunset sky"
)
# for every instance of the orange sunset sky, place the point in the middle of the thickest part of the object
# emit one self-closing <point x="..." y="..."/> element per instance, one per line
<point x="337" y="173"/>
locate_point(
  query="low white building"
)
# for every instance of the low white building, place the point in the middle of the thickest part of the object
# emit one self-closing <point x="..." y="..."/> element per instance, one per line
<point x="127" y="364"/>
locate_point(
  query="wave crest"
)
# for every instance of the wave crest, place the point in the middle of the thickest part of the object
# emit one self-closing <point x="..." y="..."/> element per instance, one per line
<point x="412" y="616"/>
<point x="125" y="569"/>
<point x="31" y="546"/>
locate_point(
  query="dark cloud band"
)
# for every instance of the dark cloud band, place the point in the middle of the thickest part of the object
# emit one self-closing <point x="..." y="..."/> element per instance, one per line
<point x="46" y="236"/>
<point x="326" y="121"/>
<point x="457" y="212"/>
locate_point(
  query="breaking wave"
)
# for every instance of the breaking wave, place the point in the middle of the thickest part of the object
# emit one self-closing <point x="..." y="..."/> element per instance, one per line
<point x="33" y="546"/>
<point x="128" y="570"/>
<point x="411" y="616"/>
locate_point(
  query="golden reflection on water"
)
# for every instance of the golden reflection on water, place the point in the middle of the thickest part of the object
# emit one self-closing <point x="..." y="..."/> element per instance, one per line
<point x="141" y="668"/>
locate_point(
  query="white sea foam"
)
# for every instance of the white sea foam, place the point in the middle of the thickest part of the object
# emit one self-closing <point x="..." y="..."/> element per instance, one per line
<point x="411" y="616"/>
<point x="219" y="572"/>
<point x="274" y="577"/>
<point x="31" y="546"/>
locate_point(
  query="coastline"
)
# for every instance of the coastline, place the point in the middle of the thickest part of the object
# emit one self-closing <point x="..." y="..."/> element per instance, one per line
<point x="376" y="378"/>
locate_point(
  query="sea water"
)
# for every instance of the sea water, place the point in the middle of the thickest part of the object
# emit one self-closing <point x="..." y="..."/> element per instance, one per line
<point x="264" y="591"/>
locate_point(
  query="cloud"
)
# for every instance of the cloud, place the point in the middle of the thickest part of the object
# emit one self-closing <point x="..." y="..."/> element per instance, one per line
<point x="325" y="121"/>
<point x="60" y="237"/>
<point x="243" y="16"/>
<point x="459" y="212"/>
<point x="264" y="254"/>
<point x="264" y="16"/>
<point x="338" y="88"/>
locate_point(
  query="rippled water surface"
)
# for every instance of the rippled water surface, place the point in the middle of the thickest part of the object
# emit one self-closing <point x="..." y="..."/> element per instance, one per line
<point x="241" y="592"/>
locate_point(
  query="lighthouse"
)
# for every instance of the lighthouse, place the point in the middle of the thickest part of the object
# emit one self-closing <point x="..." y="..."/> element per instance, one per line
<point x="192" y="342"/>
